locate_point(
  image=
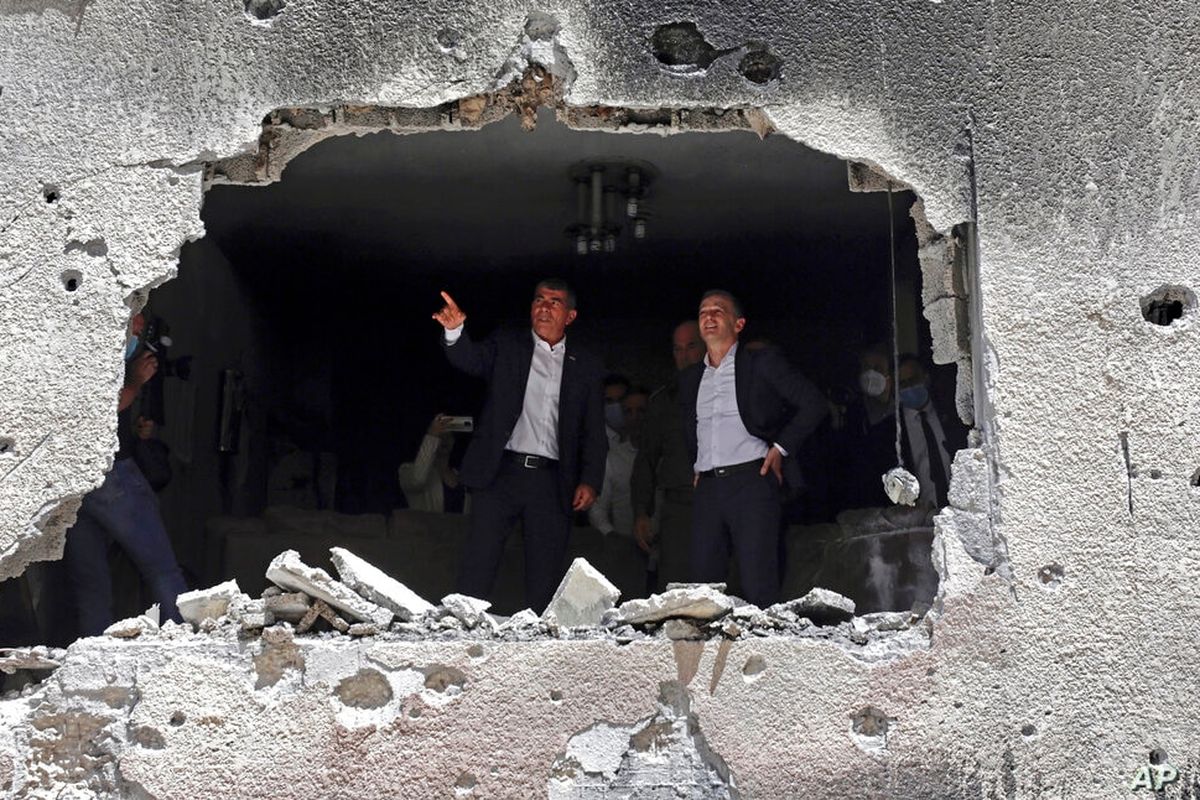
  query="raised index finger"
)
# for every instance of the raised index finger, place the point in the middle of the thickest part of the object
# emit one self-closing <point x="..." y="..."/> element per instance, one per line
<point x="449" y="300"/>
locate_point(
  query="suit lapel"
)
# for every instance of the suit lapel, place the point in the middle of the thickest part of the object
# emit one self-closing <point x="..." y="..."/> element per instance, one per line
<point x="741" y="380"/>
<point x="566" y="389"/>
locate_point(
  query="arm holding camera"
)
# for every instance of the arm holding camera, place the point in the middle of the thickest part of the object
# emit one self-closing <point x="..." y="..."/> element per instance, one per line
<point x="141" y="370"/>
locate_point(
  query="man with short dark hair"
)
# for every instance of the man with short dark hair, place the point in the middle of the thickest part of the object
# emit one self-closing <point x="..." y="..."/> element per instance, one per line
<point x="745" y="411"/>
<point x="539" y="446"/>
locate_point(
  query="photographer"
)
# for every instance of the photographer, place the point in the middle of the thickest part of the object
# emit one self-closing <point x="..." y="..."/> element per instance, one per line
<point x="428" y="481"/>
<point x="123" y="509"/>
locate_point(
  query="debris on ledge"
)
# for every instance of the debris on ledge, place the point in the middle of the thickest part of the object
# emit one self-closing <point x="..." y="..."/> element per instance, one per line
<point x="368" y="603"/>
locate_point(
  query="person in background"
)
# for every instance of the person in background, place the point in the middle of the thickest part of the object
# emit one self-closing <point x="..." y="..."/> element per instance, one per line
<point x="124" y="510"/>
<point x="613" y="511"/>
<point x="428" y="481"/>
<point x="661" y="484"/>
<point x="930" y="436"/>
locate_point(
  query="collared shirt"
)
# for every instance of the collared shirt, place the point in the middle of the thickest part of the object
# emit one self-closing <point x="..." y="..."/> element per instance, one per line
<point x="536" y="431"/>
<point x="920" y="448"/>
<point x="613" y="510"/>
<point x="721" y="438"/>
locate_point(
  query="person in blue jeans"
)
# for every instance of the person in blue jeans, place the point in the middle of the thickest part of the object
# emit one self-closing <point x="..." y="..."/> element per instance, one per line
<point x="123" y="509"/>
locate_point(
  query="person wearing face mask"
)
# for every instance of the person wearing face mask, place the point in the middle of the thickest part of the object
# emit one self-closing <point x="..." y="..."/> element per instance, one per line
<point x="868" y="434"/>
<point x="929" y="438"/>
<point x="123" y="509"/>
<point x="613" y="511"/>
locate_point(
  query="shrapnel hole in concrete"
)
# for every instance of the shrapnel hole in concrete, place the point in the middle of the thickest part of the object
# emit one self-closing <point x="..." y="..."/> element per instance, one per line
<point x="475" y="651"/>
<point x="760" y="66"/>
<point x="264" y="9"/>
<point x="1158" y="756"/>
<point x="1028" y="730"/>
<point x="1195" y="481"/>
<point x="681" y="48"/>
<point x="556" y="696"/>
<point x="754" y="668"/>
<point x="50" y="193"/>
<point x="177" y="718"/>
<point x="1168" y="303"/>
<point x="71" y="279"/>
<point x="444" y="680"/>
<point x="1051" y="575"/>
<point x="7" y="444"/>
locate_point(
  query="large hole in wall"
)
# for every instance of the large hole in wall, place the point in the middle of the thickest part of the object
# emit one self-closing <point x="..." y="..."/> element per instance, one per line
<point x="313" y="369"/>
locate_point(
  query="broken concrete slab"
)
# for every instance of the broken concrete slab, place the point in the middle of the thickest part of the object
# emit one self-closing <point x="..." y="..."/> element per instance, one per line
<point x="210" y="603"/>
<point x="821" y="606"/>
<point x="377" y="586"/>
<point x="130" y="628"/>
<point x="321" y="610"/>
<point x="289" y="572"/>
<point x="467" y="610"/>
<point x="582" y="597"/>
<point x="700" y="602"/>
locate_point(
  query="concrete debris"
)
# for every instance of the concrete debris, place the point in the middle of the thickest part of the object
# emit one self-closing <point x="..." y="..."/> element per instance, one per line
<point x="821" y="606"/>
<point x="681" y="630"/>
<point x="525" y="618"/>
<point x="901" y="486"/>
<point x="698" y="602"/>
<point x="211" y="603"/>
<point x="252" y="614"/>
<point x="30" y="658"/>
<point x="582" y="597"/>
<point x="364" y="629"/>
<point x="289" y="572"/>
<point x="378" y="587"/>
<point x="130" y="628"/>
<point x="321" y="610"/>
<point x="716" y="587"/>
<point x="470" y="611"/>
<point x="286" y="606"/>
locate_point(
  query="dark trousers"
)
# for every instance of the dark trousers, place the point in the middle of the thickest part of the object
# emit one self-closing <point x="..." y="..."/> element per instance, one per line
<point x="122" y="509"/>
<point x="532" y="496"/>
<point x="674" y="538"/>
<point x="738" y="513"/>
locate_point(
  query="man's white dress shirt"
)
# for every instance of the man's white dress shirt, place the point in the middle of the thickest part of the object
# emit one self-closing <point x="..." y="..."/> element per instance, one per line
<point x="536" y="431"/>
<point x="721" y="438"/>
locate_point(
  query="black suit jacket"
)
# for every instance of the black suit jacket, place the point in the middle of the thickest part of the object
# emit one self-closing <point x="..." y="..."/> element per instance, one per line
<point x="503" y="360"/>
<point x="775" y="401"/>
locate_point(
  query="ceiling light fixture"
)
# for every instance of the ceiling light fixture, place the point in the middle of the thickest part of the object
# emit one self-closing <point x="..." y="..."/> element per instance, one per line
<point x="604" y="189"/>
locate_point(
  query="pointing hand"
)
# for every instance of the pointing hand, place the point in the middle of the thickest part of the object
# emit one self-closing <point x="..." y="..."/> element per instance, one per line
<point x="451" y="316"/>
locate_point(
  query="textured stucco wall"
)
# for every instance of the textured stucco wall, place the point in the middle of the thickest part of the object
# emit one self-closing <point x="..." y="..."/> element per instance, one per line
<point x="1084" y="142"/>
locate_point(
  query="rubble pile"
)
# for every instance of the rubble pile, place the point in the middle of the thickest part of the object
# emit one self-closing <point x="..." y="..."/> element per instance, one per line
<point x="364" y="601"/>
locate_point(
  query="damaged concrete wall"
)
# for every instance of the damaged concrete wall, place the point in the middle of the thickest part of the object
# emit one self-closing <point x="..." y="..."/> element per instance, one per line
<point x="1069" y="135"/>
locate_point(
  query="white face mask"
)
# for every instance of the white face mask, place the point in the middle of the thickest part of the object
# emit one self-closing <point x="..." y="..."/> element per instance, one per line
<point x="872" y="382"/>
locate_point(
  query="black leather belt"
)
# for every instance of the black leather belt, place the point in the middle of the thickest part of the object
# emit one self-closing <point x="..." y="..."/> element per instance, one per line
<point x="529" y="460"/>
<point x="732" y="469"/>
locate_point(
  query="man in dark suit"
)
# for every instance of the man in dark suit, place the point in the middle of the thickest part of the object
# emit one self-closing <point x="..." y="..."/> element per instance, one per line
<point x="539" y="445"/>
<point x="745" y="412"/>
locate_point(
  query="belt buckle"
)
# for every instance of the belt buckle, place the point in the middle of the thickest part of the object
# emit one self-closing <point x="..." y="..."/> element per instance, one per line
<point x="720" y="472"/>
<point x="530" y="462"/>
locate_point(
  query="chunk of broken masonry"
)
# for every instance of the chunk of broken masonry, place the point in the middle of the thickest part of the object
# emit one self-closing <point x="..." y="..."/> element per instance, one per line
<point x="522" y="620"/>
<point x="698" y="602"/>
<point x="582" y="597"/>
<point x="377" y="586"/>
<point x="681" y="630"/>
<point x="467" y="610"/>
<point x="130" y="628"/>
<point x="287" y="606"/>
<point x="821" y="606"/>
<point x="211" y="603"/>
<point x="901" y="486"/>
<point x="31" y="658"/>
<point x="289" y="572"/>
